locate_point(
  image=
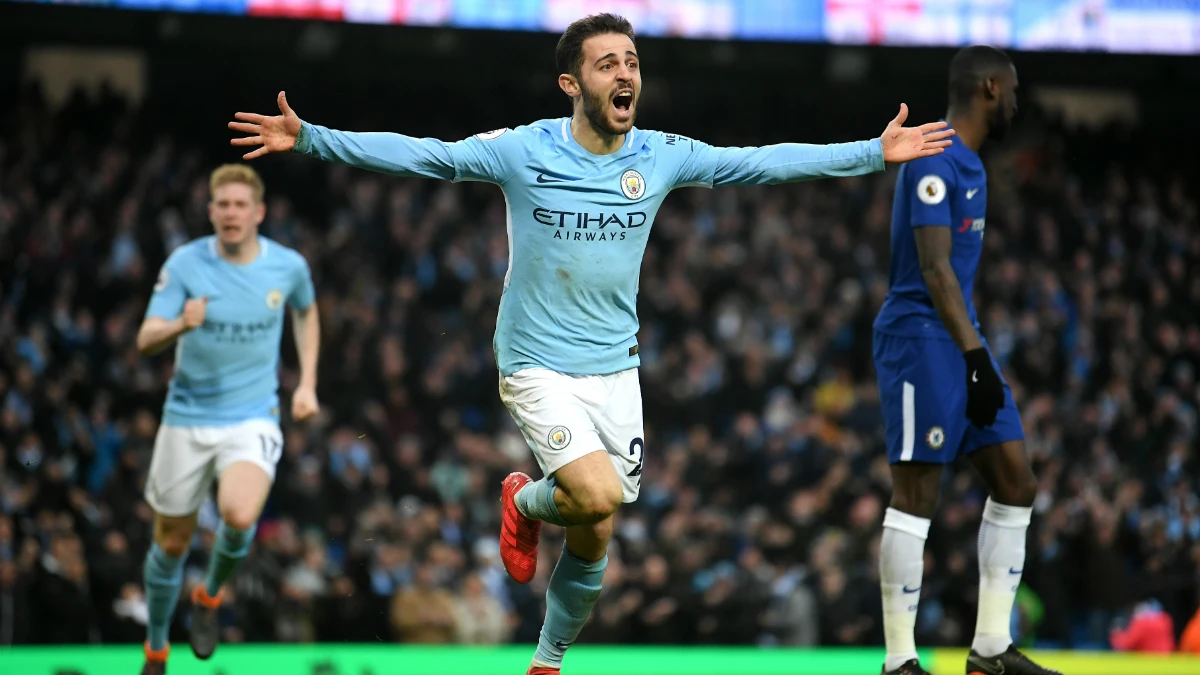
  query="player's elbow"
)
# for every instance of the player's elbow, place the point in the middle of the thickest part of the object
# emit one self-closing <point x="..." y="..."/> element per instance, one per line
<point x="934" y="270"/>
<point x="147" y="344"/>
<point x="144" y="346"/>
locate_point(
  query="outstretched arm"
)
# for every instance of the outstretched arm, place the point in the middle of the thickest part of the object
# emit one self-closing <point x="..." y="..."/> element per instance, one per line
<point x="710" y="166"/>
<point x="395" y="154"/>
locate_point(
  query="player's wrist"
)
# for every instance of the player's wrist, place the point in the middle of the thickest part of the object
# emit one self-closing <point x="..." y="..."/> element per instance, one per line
<point x="978" y="356"/>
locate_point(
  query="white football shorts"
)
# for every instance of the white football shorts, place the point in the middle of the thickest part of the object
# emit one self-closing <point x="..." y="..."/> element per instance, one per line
<point x="565" y="417"/>
<point x="187" y="460"/>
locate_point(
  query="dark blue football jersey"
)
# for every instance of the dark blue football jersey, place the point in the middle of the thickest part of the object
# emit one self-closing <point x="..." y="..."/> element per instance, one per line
<point x="946" y="190"/>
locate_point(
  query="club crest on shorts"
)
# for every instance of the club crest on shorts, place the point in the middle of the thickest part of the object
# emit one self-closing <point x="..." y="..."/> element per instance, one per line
<point x="559" y="438"/>
<point x="633" y="185"/>
<point x="274" y="299"/>
<point x="935" y="437"/>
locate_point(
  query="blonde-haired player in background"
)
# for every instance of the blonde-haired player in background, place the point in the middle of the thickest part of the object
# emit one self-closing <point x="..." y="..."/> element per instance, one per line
<point x="220" y="299"/>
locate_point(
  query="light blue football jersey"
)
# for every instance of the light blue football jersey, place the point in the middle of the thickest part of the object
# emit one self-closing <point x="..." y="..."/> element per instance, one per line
<point x="578" y="222"/>
<point x="225" y="370"/>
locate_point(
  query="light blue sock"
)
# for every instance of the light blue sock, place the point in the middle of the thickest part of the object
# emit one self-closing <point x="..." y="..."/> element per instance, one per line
<point x="536" y="501"/>
<point x="231" y="547"/>
<point x="574" y="587"/>
<point x="163" y="577"/>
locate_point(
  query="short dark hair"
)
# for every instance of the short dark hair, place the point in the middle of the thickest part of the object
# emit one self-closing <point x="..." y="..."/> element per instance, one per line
<point x="568" y="55"/>
<point x="970" y="67"/>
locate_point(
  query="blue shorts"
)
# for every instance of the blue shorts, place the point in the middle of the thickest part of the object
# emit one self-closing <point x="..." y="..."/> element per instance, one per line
<point x="923" y="392"/>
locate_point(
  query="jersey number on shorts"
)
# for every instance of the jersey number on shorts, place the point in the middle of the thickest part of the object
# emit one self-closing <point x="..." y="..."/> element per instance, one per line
<point x="637" y="447"/>
<point x="272" y="448"/>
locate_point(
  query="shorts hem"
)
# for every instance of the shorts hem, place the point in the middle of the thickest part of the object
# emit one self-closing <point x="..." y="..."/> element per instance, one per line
<point x="179" y="422"/>
<point x="991" y="443"/>
<point x="558" y="459"/>
<point x="167" y="513"/>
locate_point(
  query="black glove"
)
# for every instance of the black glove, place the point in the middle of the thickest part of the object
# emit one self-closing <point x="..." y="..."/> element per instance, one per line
<point x="985" y="389"/>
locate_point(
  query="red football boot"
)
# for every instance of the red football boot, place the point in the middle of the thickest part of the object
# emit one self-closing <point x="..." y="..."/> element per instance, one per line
<point x="518" y="534"/>
<point x="542" y="670"/>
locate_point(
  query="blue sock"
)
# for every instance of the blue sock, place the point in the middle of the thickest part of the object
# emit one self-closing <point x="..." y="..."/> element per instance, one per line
<point x="231" y="547"/>
<point x="574" y="587"/>
<point x="163" y="577"/>
<point x="536" y="501"/>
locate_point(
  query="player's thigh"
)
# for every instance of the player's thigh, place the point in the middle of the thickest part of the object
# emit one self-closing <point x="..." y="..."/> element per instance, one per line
<point x="922" y="391"/>
<point x="247" y="455"/>
<point x="998" y="453"/>
<point x="620" y="424"/>
<point x="548" y="410"/>
<point x="181" y="471"/>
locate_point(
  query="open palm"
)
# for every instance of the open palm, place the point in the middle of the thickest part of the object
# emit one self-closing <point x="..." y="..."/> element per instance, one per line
<point x="267" y="134"/>
<point x="904" y="144"/>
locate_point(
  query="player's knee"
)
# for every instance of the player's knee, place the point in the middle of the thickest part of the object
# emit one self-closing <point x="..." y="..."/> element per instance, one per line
<point x="172" y="545"/>
<point x="602" y="531"/>
<point x="174" y="536"/>
<point x="599" y="501"/>
<point x="239" y="517"/>
<point x="914" y="501"/>
<point x="174" y="539"/>
<point x="1019" y="490"/>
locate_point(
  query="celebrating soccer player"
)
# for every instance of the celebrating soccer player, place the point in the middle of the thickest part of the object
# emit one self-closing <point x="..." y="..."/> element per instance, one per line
<point x="221" y="299"/>
<point x="941" y="392"/>
<point x="582" y="192"/>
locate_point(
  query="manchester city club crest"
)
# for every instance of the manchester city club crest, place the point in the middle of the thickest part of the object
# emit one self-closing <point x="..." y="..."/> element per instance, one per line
<point x="633" y="185"/>
<point x="274" y="299"/>
<point x="559" y="438"/>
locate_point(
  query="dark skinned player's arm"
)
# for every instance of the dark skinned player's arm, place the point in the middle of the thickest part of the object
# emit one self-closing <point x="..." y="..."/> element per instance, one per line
<point x="933" y="251"/>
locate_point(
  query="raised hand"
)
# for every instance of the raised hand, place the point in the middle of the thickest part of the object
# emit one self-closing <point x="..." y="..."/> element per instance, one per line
<point x="267" y="134"/>
<point x="904" y="144"/>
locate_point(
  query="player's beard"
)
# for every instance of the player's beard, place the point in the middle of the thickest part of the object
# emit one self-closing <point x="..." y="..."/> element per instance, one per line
<point x="596" y="108"/>
<point x="1000" y="123"/>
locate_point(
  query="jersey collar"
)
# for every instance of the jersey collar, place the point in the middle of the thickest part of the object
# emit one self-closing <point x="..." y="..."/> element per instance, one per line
<point x="263" y="247"/>
<point x="570" y="140"/>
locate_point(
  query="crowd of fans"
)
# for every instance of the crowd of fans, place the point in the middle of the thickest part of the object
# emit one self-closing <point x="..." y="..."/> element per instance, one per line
<point x="765" y="477"/>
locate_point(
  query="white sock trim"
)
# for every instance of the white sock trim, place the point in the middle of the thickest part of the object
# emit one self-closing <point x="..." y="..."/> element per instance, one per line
<point x="1002" y="515"/>
<point x="907" y="523"/>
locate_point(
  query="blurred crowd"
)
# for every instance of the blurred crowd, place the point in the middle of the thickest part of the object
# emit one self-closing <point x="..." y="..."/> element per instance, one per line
<point x="765" y="478"/>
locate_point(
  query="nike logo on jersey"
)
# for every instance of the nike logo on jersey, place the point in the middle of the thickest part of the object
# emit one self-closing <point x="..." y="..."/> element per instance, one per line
<point x="906" y="589"/>
<point x="985" y="666"/>
<point x="971" y="192"/>
<point x="541" y="178"/>
<point x="1012" y="571"/>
